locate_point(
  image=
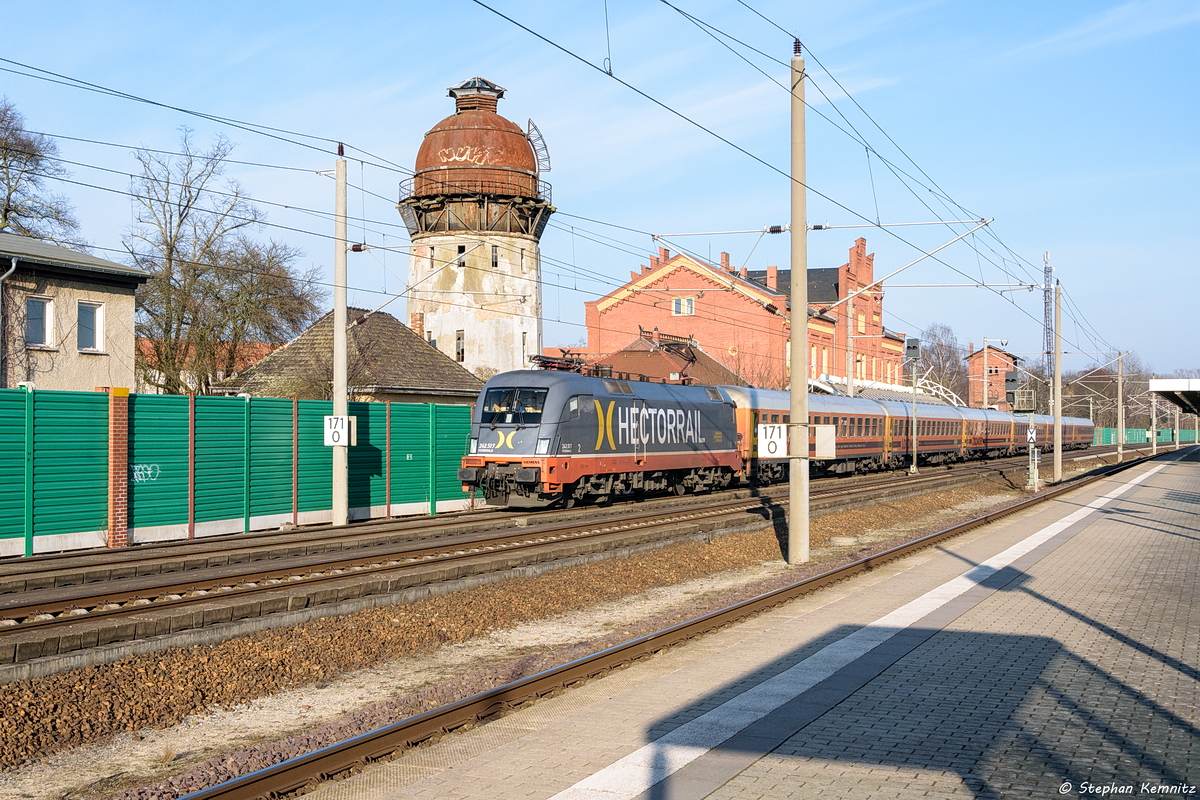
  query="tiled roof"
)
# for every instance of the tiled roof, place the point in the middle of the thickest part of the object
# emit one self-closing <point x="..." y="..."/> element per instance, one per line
<point x="642" y="357"/>
<point x="382" y="354"/>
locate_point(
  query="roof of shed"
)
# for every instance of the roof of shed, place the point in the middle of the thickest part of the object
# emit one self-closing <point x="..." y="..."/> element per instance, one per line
<point x="382" y="352"/>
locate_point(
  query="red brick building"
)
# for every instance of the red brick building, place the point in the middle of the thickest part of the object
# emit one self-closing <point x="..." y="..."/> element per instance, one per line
<point x="742" y="319"/>
<point x="998" y="362"/>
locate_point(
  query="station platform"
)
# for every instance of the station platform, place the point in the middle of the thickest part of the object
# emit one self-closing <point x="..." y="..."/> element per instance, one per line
<point x="1054" y="654"/>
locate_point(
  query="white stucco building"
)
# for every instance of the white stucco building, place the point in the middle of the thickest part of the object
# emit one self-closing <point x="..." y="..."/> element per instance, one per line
<point x="66" y="318"/>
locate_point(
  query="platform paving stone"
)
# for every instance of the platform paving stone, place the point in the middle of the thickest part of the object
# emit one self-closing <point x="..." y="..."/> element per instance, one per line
<point x="1076" y="663"/>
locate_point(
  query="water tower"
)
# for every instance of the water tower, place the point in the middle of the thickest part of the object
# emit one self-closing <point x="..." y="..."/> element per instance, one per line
<point x="475" y="210"/>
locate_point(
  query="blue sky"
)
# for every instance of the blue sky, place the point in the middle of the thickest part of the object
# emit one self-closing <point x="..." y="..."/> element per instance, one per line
<point x="1072" y="123"/>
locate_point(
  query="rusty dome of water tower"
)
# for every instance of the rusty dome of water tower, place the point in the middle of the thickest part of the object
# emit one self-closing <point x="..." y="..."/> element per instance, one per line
<point x="475" y="150"/>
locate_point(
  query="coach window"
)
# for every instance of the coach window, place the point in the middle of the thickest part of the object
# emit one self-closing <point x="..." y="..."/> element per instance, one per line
<point x="774" y="418"/>
<point x="858" y="427"/>
<point x="787" y="418"/>
<point x="826" y="419"/>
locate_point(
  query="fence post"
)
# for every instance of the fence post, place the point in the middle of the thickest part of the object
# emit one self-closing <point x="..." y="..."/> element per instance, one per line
<point x="246" y="469"/>
<point x="387" y="469"/>
<point x="191" y="526"/>
<point x="29" y="393"/>
<point x="295" y="461"/>
<point x="433" y="453"/>
<point x="118" y="467"/>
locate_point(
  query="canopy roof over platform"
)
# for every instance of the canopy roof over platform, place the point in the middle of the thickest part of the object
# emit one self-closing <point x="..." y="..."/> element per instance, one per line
<point x="1183" y="392"/>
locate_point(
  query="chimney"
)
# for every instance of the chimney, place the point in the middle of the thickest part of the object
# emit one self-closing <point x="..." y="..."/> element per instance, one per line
<point x="742" y="273"/>
<point x="416" y="321"/>
<point x="773" y="278"/>
<point x="645" y="269"/>
<point x="663" y="254"/>
<point x="653" y="262"/>
<point x="725" y="261"/>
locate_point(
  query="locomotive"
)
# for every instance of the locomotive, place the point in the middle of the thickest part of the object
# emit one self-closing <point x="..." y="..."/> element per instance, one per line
<point x="547" y="437"/>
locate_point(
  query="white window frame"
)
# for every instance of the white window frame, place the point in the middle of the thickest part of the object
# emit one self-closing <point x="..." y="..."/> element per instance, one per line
<point x="683" y="307"/>
<point x="47" y="321"/>
<point x="98" y="345"/>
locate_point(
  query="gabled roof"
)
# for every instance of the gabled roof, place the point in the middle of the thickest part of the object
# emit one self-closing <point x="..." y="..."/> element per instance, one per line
<point x="728" y="280"/>
<point x="383" y="355"/>
<point x="994" y="349"/>
<point x="36" y="251"/>
<point x="661" y="360"/>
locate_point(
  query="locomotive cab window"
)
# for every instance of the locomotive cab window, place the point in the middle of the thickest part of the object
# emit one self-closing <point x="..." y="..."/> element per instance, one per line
<point x="513" y="406"/>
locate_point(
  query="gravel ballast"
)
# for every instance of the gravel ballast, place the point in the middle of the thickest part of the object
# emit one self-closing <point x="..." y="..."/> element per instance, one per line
<point x="134" y="699"/>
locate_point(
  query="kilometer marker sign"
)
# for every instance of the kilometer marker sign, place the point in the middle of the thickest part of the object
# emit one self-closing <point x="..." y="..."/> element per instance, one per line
<point x="772" y="441"/>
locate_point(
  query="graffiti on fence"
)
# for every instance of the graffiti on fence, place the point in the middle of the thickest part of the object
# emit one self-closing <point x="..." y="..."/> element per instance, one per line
<point x="142" y="473"/>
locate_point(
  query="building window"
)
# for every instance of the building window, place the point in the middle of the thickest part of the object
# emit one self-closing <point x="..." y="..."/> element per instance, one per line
<point x="862" y="323"/>
<point x="495" y="256"/>
<point x="460" y="346"/>
<point x="462" y="259"/>
<point x="38" y="320"/>
<point x="684" y="306"/>
<point x="89" y="329"/>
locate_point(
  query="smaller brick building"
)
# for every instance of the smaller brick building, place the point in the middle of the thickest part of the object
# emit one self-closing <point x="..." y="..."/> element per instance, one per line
<point x="987" y="390"/>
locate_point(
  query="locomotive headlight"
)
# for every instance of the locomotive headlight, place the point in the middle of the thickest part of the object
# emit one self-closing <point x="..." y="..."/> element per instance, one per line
<point x="543" y="447"/>
<point x="474" y="448"/>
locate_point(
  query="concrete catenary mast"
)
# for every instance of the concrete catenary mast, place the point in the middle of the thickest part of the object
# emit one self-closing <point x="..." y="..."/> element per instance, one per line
<point x="475" y="210"/>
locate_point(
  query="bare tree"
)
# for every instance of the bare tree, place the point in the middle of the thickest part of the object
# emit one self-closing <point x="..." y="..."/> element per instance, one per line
<point x="944" y="358"/>
<point x="213" y="288"/>
<point x="27" y="162"/>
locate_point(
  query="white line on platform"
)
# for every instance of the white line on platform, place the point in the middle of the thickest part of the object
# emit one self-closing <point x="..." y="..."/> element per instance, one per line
<point x="643" y="768"/>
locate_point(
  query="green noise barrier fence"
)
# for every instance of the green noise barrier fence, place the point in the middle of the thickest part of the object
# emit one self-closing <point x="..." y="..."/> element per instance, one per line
<point x="1144" y="436"/>
<point x="187" y="467"/>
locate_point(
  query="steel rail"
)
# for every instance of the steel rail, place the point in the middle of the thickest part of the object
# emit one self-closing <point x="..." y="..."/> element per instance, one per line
<point x="324" y="763"/>
<point x="52" y="566"/>
<point x="207" y="590"/>
<point x="313" y="570"/>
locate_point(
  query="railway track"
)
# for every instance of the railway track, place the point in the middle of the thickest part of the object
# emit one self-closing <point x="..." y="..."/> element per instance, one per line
<point x="296" y="774"/>
<point x="58" y="620"/>
<point x="60" y="570"/>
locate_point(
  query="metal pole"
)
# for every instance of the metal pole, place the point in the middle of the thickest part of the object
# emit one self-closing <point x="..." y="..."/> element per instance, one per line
<point x="985" y="375"/>
<point x="1057" y="383"/>
<point x="913" y="433"/>
<point x="849" y="349"/>
<point x="1120" y="409"/>
<point x="1153" y="426"/>
<point x="797" y="540"/>
<point x="341" y="453"/>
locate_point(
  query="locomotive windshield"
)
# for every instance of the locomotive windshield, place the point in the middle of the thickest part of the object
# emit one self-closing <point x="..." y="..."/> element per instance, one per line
<point x="513" y="405"/>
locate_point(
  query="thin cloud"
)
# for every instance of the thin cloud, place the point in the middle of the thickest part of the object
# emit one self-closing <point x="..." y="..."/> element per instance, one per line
<point x="1133" y="20"/>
